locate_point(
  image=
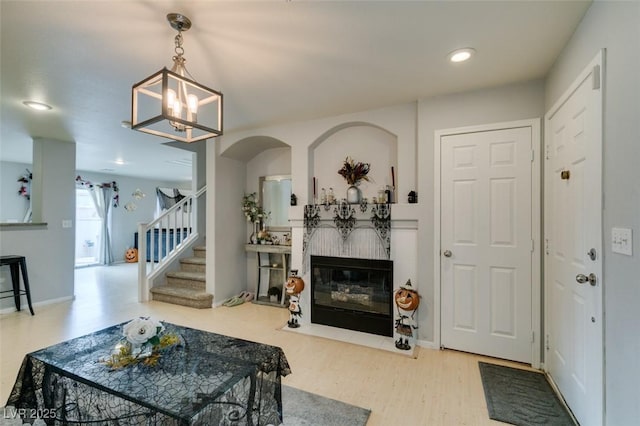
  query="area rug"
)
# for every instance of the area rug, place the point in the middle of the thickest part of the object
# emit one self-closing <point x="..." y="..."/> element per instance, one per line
<point x="521" y="397"/>
<point x="300" y="408"/>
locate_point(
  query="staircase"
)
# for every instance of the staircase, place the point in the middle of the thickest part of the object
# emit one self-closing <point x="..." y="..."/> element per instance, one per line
<point x="187" y="286"/>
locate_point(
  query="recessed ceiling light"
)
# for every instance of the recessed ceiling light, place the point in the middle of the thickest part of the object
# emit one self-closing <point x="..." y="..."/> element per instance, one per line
<point x="461" y="55"/>
<point x="119" y="161"/>
<point x="39" y="106"/>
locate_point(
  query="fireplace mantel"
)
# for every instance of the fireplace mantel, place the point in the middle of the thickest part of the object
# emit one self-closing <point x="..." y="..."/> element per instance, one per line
<point x="403" y="215"/>
<point x="348" y="217"/>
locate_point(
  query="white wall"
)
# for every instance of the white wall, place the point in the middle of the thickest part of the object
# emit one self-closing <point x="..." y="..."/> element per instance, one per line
<point x="226" y="227"/>
<point x="49" y="249"/>
<point x="366" y="144"/>
<point x="615" y="26"/>
<point x="13" y="206"/>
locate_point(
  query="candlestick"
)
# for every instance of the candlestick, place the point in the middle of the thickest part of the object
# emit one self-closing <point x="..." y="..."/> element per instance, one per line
<point x="393" y="178"/>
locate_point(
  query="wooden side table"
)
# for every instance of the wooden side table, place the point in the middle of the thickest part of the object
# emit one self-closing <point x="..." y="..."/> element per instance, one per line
<point x="17" y="263"/>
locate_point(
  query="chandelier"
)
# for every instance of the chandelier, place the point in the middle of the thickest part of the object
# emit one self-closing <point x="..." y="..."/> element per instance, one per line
<point x="171" y="104"/>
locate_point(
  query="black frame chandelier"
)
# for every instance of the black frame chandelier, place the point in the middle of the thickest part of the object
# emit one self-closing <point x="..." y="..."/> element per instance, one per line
<point x="171" y="104"/>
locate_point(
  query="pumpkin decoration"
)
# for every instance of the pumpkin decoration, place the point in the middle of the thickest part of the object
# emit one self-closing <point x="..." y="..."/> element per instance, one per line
<point x="407" y="298"/>
<point x="293" y="287"/>
<point x="294" y="284"/>
<point x="131" y="255"/>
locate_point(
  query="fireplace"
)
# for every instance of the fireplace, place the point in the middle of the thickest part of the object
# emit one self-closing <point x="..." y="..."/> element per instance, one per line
<point x="351" y="293"/>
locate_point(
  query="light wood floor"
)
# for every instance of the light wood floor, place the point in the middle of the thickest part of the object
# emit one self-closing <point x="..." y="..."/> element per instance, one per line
<point x="437" y="388"/>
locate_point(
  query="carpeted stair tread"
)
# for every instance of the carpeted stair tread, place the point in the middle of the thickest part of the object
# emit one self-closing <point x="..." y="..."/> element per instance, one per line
<point x="187" y="275"/>
<point x="200" y="251"/>
<point x="193" y="264"/>
<point x="194" y="260"/>
<point x="182" y="296"/>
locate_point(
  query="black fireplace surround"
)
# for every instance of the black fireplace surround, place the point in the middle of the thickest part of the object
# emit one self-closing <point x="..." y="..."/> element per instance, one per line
<point x="350" y="293"/>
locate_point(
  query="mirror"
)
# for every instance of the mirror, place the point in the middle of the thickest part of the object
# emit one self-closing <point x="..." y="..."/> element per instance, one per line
<point x="275" y="198"/>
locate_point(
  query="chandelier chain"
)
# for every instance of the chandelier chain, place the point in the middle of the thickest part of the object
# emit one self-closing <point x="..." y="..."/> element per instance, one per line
<point x="178" y="42"/>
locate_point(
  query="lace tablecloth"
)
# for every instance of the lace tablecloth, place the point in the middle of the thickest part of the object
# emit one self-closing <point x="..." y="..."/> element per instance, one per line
<point x="207" y="379"/>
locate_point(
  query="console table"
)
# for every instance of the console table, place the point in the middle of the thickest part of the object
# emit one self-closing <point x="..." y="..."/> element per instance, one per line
<point x="207" y="379"/>
<point x="281" y="253"/>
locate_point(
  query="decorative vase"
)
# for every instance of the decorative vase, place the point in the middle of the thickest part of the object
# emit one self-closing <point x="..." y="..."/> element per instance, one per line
<point x="253" y="239"/>
<point x="353" y="195"/>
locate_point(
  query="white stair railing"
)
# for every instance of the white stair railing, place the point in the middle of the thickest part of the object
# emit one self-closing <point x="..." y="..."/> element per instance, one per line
<point x="165" y="238"/>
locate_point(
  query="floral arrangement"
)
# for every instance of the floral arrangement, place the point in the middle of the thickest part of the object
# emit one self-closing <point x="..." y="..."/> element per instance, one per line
<point x="252" y="211"/>
<point x="354" y="172"/>
<point x="142" y="342"/>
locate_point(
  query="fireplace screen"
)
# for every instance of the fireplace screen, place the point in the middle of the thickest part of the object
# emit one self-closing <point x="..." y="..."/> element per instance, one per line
<point x="352" y="293"/>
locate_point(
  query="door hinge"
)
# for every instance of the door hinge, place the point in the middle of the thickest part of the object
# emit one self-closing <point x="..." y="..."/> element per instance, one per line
<point x="596" y="77"/>
<point x="533" y="336"/>
<point x="533" y="243"/>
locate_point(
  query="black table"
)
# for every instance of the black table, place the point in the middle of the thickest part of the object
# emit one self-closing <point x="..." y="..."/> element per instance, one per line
<point x="17" y="263"/>
<point x="207" y="379"/>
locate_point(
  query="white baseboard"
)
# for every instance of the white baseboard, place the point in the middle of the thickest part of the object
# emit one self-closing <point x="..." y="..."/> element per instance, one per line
<point x="427" y="344"/>
<point x="25" y="306"/>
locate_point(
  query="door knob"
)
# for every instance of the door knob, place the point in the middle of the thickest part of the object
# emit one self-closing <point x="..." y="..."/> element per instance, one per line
<point x="591" y="278"/>
<point x="447" y="253"/>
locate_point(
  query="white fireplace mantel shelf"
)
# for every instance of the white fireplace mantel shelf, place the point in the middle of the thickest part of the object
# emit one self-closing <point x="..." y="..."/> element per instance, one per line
<point x="403" y="216"/>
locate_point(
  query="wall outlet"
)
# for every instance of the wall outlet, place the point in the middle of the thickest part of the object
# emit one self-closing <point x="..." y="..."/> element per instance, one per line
<point x="622" y="241"/>
<point x="67" y="223"/>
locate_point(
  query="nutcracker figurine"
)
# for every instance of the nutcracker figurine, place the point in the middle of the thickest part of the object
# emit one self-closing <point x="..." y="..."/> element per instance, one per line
<point x="293" y="288"/>
<point x="407" y="300"/>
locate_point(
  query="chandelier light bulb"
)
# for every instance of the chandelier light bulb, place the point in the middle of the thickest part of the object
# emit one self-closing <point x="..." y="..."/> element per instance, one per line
<point x="177" y="108"/>
<point x="171" y="99"/>
<point x="192" y="102"/>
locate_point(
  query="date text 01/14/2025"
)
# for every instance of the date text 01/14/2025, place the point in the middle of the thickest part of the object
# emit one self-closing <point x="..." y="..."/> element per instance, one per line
<point x="28" y="413"/>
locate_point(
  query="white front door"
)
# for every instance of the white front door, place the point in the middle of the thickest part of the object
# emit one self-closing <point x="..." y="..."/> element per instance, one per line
<point x="486" y="242"/>
<point x="573" y="239"/>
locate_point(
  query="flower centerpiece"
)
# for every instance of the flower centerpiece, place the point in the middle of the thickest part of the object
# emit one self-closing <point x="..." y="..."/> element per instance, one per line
<point x="254" y="213"/>
<point x="354" y="173"/>
<point x="142" y="341"/>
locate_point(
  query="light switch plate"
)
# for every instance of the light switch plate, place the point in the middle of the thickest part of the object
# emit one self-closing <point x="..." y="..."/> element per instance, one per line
<point x="67" y="224"/>
<point x="622" y="241"/>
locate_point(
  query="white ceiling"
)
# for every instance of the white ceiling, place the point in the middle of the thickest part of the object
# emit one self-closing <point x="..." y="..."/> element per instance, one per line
<point x="275" y="62"/>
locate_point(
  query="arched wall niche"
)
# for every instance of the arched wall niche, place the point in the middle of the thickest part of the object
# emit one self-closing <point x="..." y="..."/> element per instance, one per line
<point x="247" y="148"/>
<point x="363" y="142"/>
<point x="263" y="156"/>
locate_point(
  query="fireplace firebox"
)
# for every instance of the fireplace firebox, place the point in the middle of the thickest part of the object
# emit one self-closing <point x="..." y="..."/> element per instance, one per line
<point x="350" y="293"/>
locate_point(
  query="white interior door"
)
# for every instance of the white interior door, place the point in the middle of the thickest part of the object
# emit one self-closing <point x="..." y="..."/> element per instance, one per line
<point x="573" y="238"/>
<point x="486" y="242"/>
